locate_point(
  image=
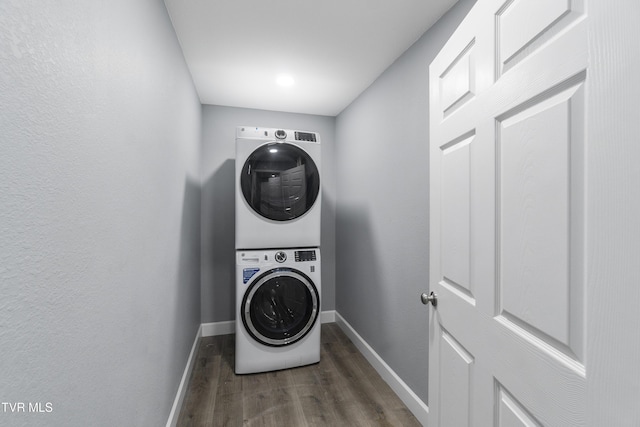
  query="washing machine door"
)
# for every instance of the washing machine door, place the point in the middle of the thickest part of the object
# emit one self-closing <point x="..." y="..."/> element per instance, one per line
<point x="280" y="307"/>
<point x="280" y="181"/>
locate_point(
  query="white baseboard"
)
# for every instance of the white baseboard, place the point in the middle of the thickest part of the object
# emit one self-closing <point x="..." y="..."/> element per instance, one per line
<point x="229" y="326"/>
<point x="218" y="328"/>
<point x="328" y="316"/>
<point x="184" y="382"/>
<point x="419" y="409"/>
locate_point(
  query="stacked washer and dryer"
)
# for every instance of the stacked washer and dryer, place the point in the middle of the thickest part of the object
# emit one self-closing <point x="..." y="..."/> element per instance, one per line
<point x="277" y="249"/>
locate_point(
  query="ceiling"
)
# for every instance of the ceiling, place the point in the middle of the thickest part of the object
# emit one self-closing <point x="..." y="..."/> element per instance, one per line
<point x="333" y="49"/>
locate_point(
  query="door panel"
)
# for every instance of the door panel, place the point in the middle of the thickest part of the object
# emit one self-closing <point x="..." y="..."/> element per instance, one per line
<point x="456" y="391"/>
<point x="522" y="22"/>
<point x="510" y="412"/>
<point x="458" y="80"/>
<point x="537" y="289"/>
<point x="523" y="26"/>
<point x="455" y="215"/>
<point x="507" y="227"/>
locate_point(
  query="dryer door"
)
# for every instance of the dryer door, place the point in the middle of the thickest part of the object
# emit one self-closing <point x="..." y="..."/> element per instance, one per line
<point x="280" y="181"/>
<point x="280" y="307"/>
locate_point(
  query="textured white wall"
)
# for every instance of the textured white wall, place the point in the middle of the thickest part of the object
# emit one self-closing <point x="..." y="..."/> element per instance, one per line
<point x="218" y="201"/>
<point x="99" y="212"/>
<point x="382" y="215"/>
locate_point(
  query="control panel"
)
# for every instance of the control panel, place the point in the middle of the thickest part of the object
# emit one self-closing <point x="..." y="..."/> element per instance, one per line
<point x="306" y="136"/>
<point x="307" y="255"/>
<point x="278" y="134"/>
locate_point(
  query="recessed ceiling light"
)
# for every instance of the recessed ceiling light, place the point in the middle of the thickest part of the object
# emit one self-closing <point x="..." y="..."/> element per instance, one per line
<point x="285" y="80"/>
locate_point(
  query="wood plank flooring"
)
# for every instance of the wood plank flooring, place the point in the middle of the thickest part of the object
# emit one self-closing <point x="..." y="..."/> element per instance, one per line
<point x="342" y="390"/>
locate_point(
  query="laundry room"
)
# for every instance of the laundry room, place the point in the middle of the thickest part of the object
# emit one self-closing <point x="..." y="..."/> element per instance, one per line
<point x="454" y="272"/>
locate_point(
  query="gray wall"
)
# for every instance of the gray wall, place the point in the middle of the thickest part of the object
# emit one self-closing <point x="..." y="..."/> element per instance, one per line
<point x="382" y="165"/>
<point x="218" y="201"/>
<point x="99" y="212"/>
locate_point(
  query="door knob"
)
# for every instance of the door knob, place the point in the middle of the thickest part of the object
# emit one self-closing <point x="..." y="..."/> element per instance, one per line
<point x="431" y="298"/>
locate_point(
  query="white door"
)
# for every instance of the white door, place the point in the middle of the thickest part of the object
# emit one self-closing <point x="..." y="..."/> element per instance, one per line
<point x="507" y="102"/>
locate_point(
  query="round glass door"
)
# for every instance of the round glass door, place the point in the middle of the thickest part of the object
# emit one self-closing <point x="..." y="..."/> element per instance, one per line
<point x="280" y="181"/>
<point x="280" y="307"/>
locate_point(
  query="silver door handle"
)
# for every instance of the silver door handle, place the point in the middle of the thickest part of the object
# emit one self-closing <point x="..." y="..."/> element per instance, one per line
<point x="431" y="298"/>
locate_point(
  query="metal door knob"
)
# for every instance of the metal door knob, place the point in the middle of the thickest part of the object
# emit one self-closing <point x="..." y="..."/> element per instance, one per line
<point x="431" y="298"/>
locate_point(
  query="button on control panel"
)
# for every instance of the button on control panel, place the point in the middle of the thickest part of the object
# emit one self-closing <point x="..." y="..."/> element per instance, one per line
<point x="281" y="257"/>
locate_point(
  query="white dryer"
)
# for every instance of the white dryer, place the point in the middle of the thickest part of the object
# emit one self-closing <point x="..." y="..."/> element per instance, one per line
<point x="277" y="309"/>
<point x="277" y="188"/>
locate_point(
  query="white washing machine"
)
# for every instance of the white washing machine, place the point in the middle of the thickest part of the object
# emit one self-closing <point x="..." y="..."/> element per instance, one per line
<point x="277" y="309"/>
<point x="277" y="188"/>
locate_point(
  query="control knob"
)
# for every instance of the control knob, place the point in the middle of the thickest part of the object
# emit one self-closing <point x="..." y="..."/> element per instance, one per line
<point x="281" y="257"/>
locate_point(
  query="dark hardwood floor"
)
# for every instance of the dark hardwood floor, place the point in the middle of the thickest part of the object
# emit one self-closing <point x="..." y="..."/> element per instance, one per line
<point x="342" y="390"/>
